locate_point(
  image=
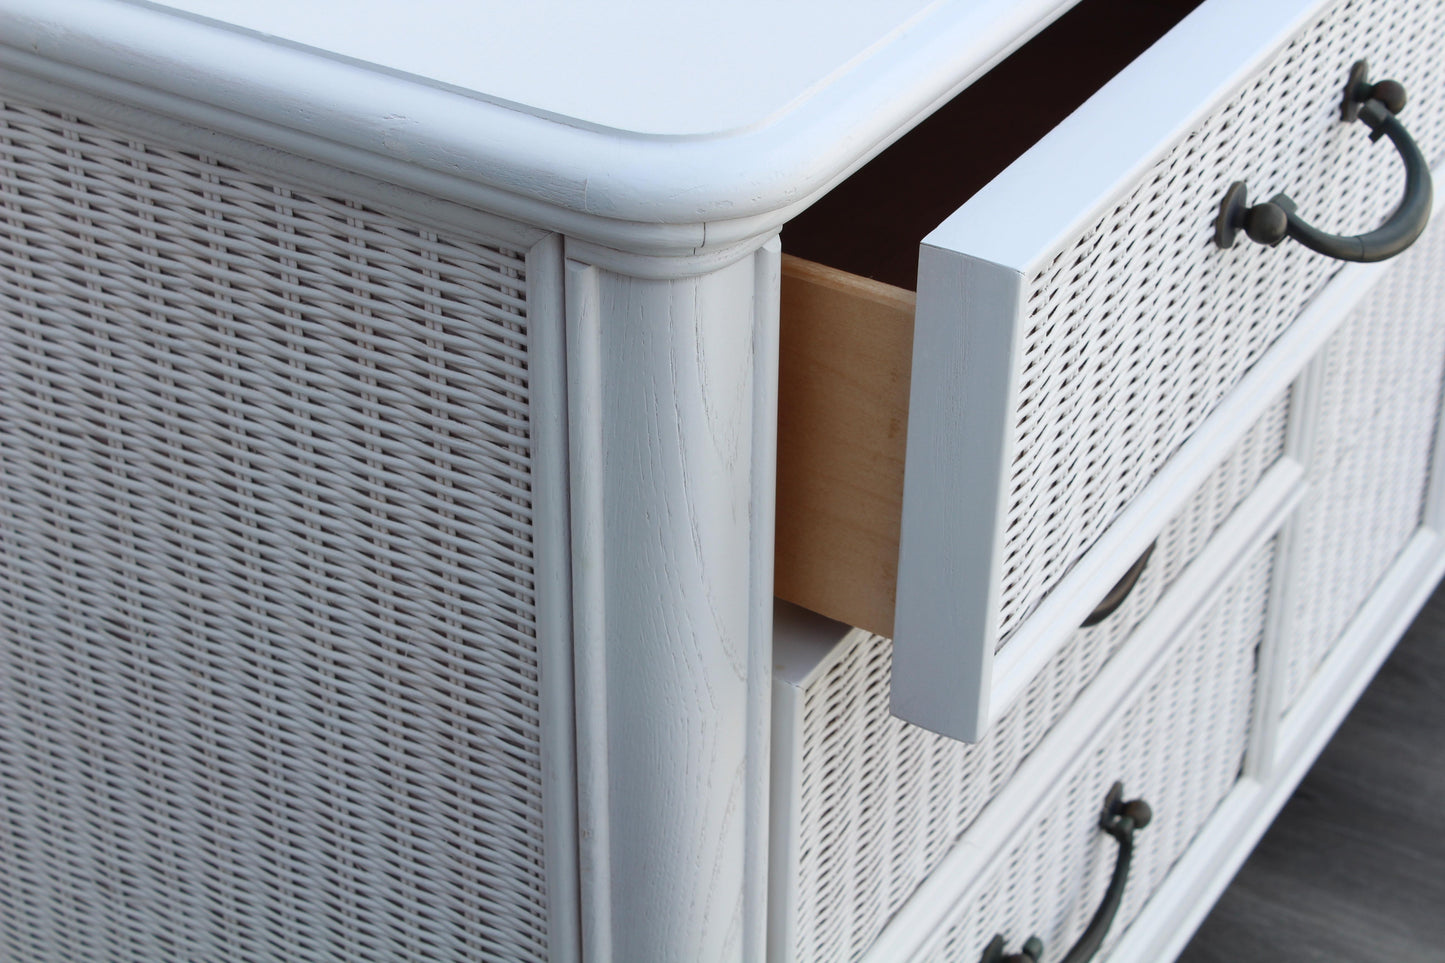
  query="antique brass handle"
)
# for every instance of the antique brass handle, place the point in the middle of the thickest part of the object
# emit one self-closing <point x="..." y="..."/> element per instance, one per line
<point x="1276" y="219"/>
<point x="1116" y="595"/>
<point x="1121" y="820"/>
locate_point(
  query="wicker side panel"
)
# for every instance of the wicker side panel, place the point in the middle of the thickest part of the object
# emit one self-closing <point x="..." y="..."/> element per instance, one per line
<point x="269" y="684"/>
<point x="884" y="801"/>
<point x="1179" y="745"/>
<point x="1137" y="329"/>
<point x="1379" y="398"/>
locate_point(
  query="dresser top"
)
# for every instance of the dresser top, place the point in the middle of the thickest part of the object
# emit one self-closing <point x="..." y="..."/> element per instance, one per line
<point x="717" y="120"/>
<point x="648" y="67"/>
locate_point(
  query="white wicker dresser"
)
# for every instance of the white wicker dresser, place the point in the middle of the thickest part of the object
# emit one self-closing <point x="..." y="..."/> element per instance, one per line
<point x="405" y="412"/>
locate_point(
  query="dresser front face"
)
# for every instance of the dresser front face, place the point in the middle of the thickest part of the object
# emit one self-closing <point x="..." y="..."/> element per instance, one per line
<point x="1100" y="388"/>
<point x="275" y="587"/>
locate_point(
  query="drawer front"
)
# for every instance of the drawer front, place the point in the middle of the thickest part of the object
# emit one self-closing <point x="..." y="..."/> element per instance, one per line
<point x="1179" y="744"/>
<point x="870" y="804"/>
<point x="1076" y="325"/>
<point x="1376" y="406"/>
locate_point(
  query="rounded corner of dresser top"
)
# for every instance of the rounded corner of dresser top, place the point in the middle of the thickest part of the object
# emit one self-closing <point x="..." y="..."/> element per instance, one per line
<point x="725" y="172"/>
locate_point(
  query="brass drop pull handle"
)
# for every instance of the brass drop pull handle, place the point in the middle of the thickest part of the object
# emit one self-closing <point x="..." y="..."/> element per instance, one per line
<point x="1121" y="820"/>
<point x="1276" y="219"/>
<point x="1120" y="591"/>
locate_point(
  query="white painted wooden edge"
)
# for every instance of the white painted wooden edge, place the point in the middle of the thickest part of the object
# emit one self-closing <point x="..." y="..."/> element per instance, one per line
<point x="785" y="819"/>
<point x="917" y="926"/>
<point x="547" y="365"/>
<point x="667" y="539"/>
<point x="589" y="609"/>
<point x="805" y="645"/>
<point x="1433" y="516"/>
<point x="640" y="193"/>
<point x="950" y="544"/>
<point x="1175" y="911"/>
<point x="1039" y="204"/>
<point x="767" y="286"/>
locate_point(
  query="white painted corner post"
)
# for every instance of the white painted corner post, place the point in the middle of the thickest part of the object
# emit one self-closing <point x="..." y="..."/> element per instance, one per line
<point x="672" y="399"/>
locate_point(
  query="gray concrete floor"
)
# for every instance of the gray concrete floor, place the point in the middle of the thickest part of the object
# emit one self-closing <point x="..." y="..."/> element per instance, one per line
<point x="1353" y="870"/>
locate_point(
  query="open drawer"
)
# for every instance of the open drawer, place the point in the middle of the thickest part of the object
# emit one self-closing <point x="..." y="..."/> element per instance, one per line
<point x="1080" y="351"/>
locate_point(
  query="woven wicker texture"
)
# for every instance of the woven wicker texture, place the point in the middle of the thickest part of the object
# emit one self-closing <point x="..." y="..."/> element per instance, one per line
<point x="1179" y="745"/>
<point x="882" y="801"/>
<point x="269" y="683"/>
<point x="1378" y="405"/>
<point x="1137" y="329"/>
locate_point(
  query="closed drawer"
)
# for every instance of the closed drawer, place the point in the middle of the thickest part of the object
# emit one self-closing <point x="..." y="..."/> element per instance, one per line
<point x="1179" y="743"/>
<point x="1373" y="415"/>
<point x="1078" y="337"/>
<point x="866" y="805"/>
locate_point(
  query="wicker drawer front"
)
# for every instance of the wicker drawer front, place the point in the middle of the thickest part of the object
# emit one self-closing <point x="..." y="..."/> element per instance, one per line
<point x="868" y="805"/>
<point x="269" y="673"/>
<point x="1076" y="326"/>
<point x="1179" y="744"/>
<point x="1379" y="390"/>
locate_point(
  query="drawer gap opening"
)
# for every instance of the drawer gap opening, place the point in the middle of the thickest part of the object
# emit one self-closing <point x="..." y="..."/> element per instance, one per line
<point x="871" y="223"/>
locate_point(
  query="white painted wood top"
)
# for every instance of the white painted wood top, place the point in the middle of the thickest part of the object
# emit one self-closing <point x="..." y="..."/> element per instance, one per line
<point x="652" y="67"/>
<point x="685" y="127"/>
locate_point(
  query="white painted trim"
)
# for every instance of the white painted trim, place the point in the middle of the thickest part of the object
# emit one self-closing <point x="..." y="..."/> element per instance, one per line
<point x="1181" y="904"/>
<point x="920" y="922"/>
<point x="669" y="568"/>
<point x="1270" y="693"/>
<point x="547" y="384"/>
<point x="1433" y="514"/>
<point x="589" y="611"/>
<point x="950" y="545"/>
<point x="767" y="281"/>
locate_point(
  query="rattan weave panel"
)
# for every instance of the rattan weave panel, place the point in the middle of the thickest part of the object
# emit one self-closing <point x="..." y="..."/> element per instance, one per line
<point x="1379" y="399"/>
<point x="1179" y="745"/>
<point x="269" y="687"/>
<point x="883" y="801"/>
<point x="1135" y="330"/>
